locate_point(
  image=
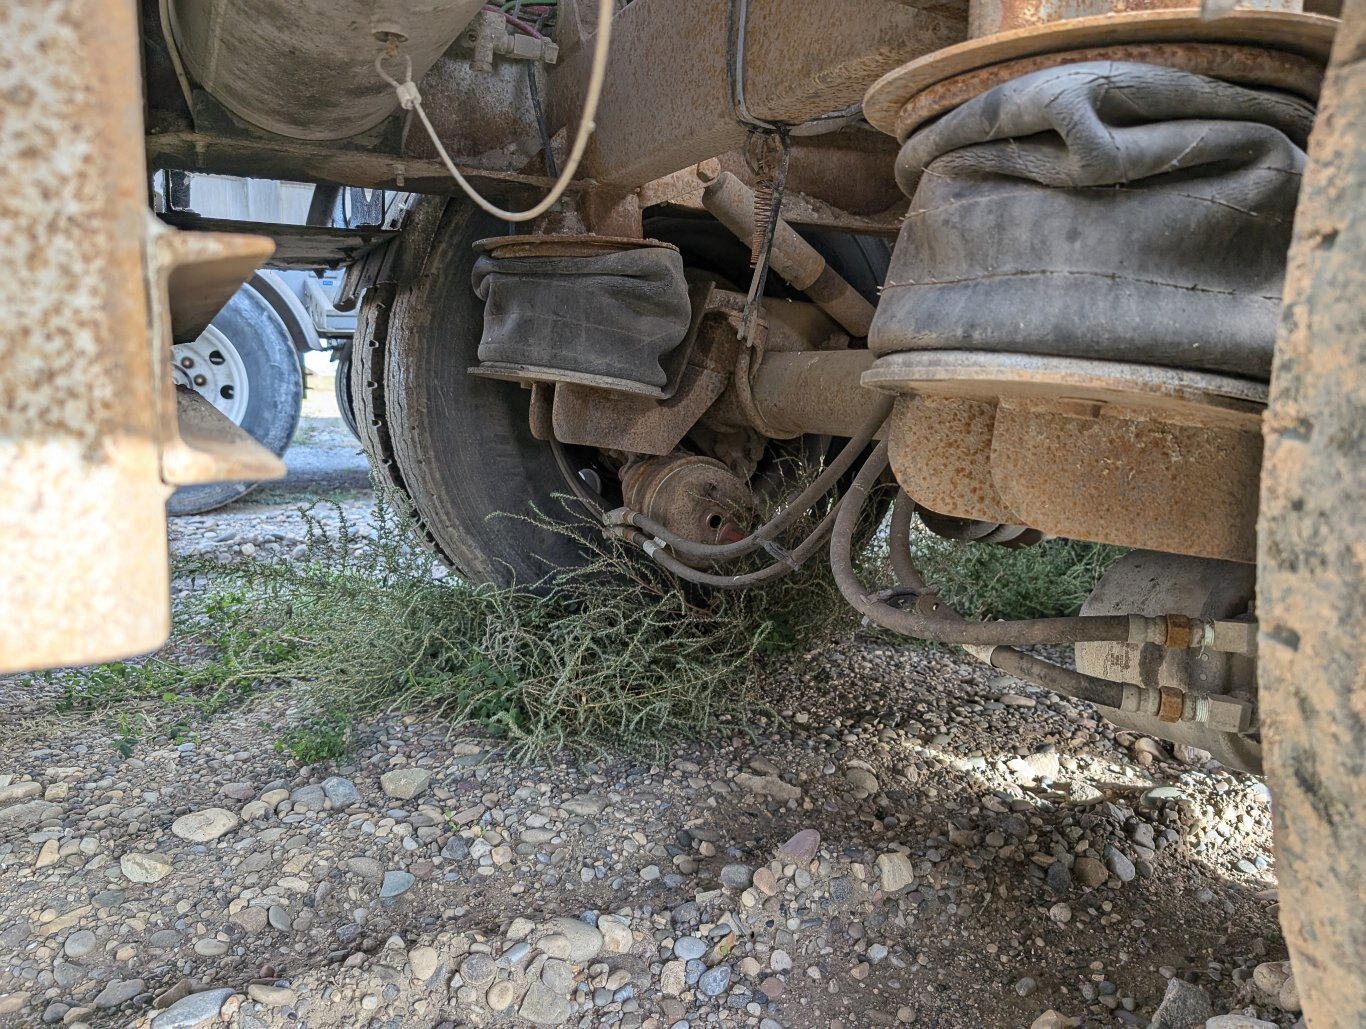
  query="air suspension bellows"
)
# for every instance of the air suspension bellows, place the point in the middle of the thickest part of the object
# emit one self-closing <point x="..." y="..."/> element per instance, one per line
<point x="1112" y="210"/>
<point x="1082" y="303"/>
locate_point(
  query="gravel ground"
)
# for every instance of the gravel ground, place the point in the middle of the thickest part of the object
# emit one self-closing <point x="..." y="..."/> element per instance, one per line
<point x="910" y="840"/>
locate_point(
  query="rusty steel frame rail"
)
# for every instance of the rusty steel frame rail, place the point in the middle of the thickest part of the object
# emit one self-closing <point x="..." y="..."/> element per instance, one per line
<point x="92" y="431"/>
<point x="83" y="515"/>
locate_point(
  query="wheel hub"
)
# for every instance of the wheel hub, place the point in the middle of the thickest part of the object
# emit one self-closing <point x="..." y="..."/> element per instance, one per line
<point x="211" y="366"/>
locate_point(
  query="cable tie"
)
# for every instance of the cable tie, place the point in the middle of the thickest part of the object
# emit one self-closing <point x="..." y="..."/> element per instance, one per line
<point x="779" y="554"/>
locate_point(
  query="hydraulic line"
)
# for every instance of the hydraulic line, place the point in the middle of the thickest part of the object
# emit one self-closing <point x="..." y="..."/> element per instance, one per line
<point x="929" y="618"/>
<point x="1029" y="668"/>
<point x="946" y="625"/>
<point x="770" y="530"/>
<point x="769" y="573"/>
<point x="900" y="544"/>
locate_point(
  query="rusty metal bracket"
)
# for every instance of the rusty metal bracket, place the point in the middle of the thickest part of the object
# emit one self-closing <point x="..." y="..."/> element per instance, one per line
<point x="1171" y="701"/>
<point x="87" y="408"/>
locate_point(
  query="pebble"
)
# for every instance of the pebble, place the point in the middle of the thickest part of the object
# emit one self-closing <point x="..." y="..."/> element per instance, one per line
<point x="768" y="786"/>
<point x="341" y="793"/>
<point x="714" y="981"/>
<point x="423" y="961"/>
<point x="272" y="996"/>
<point x="1120" y="865"/>
<point x="1184" y="1006"/>
<point x="118" y="991"/>
<point x="194" y="1011"/>
<point x="690" y="948"/>
<point x="616" y="935"/>
<point x="543" y="1006"/>
<point x="801" y="848"/>
<point x="79" y="944"/>
<point x="139" y="867"/>
<point x="765" y="882"/>
<point x="861" y="779"/>
<point x="585" y="942"/>
<point x="205" y="826"/>
<point x="405" y="783"/>
<point x="478" y="969"/>
<point x="895" y="872"/>
<point x="396" y="883"/>
<point x="500" y="996"/>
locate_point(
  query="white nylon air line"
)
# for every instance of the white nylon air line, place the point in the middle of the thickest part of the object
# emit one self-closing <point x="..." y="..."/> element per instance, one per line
<point x="411" y="100"/>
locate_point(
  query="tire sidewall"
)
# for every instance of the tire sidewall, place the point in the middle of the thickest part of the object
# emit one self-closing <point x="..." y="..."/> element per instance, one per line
<point x="275" y="398"/>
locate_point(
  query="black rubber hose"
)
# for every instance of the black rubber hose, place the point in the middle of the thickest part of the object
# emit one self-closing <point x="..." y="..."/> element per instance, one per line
<point x="768" y="573"/>
<point x="931" y="619"/>
<point x="818" y="487"/>
<point x="900" y="545"/>
<point x="1056" y="678"/>
<point x="947" y="625"/>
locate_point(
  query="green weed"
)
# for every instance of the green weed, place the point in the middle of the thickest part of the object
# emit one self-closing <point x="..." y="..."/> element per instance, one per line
<point x="1050" y="579"/>
<point x="613" y="656"/>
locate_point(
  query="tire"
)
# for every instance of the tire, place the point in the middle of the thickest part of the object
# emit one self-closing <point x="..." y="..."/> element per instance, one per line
<point x="458" y="447"/>
<point x="1312" y="558"/>
<point x="271" y="368"/>
<point x="342" y="390"/>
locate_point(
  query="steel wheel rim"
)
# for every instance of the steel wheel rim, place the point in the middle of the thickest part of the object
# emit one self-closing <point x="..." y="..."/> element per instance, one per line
<point x="212" y="366"/>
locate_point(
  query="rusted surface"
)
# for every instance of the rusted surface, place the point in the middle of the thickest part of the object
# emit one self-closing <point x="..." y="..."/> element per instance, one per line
<point x="987" y="17"/>
<point x="797" y="261"/>
<point x="812" y="393"/>
<point x="1180" y="631"/>
<point x="1311" y="589"/>
<point x="794" y="379"/>
<point x="1170" y="704"/>
<point x="196" y="273"/>
<point x="82" y="514"/>
<point x="1117" y="477"/>
<point x="695" y="497"/>
<point x="813" y="201"/>
<point x="344" y="164"/>
<point x="1134" y="455"/>
<point x="1079" y="384"/>
<point x="1307" y="35"/>
<point x="940" y="450"/>
<point x="564" y="245"/>
<point x="208" y="447"/>
<point x="1245" y="65"/>
<point x="481" y="118"/>
<point x="611" y="212"/>
<point x="666" y="102"/>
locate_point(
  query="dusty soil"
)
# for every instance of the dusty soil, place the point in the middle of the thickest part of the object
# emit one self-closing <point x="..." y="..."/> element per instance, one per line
<point x="908" y="839"/>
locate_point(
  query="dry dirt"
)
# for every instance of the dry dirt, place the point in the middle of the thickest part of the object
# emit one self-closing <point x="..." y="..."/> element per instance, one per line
<point x="910" y="839"/>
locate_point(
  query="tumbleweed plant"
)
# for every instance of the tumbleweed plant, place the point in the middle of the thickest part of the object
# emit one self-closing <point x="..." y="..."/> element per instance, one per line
<point x="611" y="656"/>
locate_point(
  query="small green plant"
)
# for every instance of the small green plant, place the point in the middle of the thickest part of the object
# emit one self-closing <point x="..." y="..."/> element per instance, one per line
<point x="323" y="737"/>
<point x="613" y="656"/>
<point x="1050" y="579"/>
